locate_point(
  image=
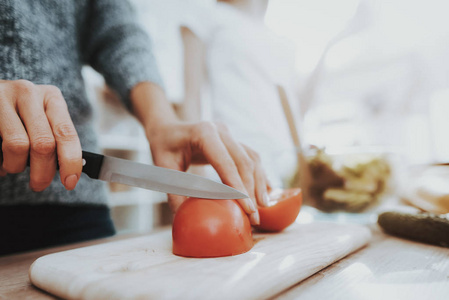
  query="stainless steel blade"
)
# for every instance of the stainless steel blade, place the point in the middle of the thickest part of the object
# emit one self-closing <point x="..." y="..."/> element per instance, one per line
<point x="164" y="180"/>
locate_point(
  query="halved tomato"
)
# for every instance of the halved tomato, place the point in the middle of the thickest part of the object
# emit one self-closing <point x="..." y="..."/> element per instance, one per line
<point x="284" y="207"/>
<point x="211" y="228"/>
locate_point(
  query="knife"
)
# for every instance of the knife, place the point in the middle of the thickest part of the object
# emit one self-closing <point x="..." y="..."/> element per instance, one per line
<point x="112" y="169"/>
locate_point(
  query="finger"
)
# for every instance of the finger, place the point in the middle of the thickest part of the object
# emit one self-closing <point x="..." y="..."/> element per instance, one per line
<point x="260" y="186"/>
<point x="15" y="145"/>
<point x="245" y="166"/>
<point x="244" y="163"/>
<point x="42" y="142"/>
<point x="67" y="141"/>
<point x="260" y="179"/>
<point x="215" y="152"/>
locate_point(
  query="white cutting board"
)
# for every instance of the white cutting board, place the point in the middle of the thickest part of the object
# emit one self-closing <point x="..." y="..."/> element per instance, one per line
<point x="145" y="268"/>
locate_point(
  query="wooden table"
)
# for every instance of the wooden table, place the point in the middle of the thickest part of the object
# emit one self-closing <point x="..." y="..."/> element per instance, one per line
<point x="388" y="268"/>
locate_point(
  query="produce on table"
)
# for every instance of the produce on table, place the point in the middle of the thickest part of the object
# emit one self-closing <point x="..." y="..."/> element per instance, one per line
<point x="421" y="227"/>
<point x="283" y="209"/>
<point x="215" y="228"/>
<point x="211" y="228"/>
<point x="347" y="199"/>
<point x="352" y="183"/>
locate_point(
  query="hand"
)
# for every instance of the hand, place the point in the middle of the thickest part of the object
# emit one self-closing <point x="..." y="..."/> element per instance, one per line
<point x="35" y="123"/>
<point x="177" y="145"/>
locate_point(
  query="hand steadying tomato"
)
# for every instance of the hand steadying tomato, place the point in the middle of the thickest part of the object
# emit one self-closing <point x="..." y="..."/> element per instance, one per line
<point x="211" y="228"/>
<point x="282" y="210"/>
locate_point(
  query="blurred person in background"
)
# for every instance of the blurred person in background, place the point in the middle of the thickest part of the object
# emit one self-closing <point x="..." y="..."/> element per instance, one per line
<point x="230" y="52"/>
<point x="46" y="118"/>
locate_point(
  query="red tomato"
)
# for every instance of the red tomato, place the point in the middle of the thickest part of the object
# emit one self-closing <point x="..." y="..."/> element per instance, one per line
<point x="282" y="211"/>
<point x="211" y="228"/>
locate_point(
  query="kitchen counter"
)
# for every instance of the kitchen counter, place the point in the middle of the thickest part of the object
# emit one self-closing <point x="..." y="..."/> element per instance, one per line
<point x="389" y="268"/>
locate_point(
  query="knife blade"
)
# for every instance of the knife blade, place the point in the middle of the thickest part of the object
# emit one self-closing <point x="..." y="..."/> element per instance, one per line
<point x="155" y="178"/>
<point x="112" y="169"/>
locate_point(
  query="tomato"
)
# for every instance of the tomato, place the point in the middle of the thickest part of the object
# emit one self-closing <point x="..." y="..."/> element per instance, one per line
<point x="282" y="211"/>
<point x="211" y="228"/>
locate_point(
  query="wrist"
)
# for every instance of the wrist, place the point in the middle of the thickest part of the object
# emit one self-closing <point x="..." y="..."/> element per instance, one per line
<point x="151" y="107"/>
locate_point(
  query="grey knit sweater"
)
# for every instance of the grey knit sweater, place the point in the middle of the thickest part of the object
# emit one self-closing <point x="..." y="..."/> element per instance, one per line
<point x="48" y="42"/>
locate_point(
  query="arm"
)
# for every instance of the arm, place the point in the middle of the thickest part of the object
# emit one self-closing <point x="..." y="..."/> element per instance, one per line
<point x="116" y="46"/>
<point x="121" y="51"/>
<point x="176" y="144"/>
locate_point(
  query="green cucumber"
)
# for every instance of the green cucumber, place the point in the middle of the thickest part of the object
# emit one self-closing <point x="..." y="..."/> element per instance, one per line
<point x="422" y="227"/>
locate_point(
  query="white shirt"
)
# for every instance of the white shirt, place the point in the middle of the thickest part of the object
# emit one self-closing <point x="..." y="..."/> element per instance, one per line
<point x="245" y="62"/>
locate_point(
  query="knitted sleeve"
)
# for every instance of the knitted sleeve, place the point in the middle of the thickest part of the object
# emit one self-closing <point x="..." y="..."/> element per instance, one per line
<point x="116" y="46"/>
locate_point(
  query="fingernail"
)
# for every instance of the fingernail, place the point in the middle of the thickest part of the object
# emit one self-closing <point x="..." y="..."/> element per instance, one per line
<point x="70" y="182"/>
<point x="266" y="200"/>
<point x="254" y="218"/>
<point x="252" y="206"/>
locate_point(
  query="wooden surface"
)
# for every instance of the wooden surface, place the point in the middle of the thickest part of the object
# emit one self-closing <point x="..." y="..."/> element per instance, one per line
<point x="145" y="268"/>
<point x="14" y="279"/>
<point x="387" y="264"/>
<point x="389" y="268"/>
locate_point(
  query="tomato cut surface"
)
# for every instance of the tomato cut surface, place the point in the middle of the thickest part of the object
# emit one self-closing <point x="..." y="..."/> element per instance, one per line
<point x="211" y="228"/>
<point x="283" y="209"/>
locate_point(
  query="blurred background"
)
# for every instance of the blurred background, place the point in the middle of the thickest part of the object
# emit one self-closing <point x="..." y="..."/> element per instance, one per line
<point x="364" y="79"/>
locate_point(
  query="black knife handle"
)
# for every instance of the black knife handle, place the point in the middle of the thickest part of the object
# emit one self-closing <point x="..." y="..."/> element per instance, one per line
<point x="91" y="162"/>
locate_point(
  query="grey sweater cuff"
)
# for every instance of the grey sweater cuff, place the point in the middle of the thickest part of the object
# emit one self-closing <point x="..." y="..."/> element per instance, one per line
<point x="119" y="48"/>
<point x="127" y="70"/>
